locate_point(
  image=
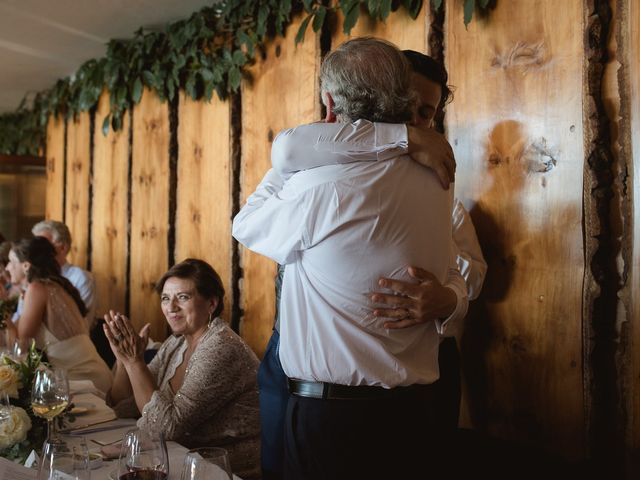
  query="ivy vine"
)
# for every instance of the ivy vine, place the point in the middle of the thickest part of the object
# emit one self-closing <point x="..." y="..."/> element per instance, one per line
<point x="206" y="53"/>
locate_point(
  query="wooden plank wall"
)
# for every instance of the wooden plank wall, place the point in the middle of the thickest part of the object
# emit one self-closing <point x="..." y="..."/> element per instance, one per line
<point x="54" y="209"/>
<point x="516" y="127"/>
<point x="204" y="197"/>
<point x="149" y="211"/>
<point x="77" y="187"/>
<point x="110" y="216"/>
<point x="282" y="94"/>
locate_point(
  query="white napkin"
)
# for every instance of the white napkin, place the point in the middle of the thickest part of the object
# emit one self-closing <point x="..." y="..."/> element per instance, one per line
<point x="84" y="386"/>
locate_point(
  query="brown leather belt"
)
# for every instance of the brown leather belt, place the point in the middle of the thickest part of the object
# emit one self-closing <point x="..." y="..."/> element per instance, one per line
<point x="332" y="391"/>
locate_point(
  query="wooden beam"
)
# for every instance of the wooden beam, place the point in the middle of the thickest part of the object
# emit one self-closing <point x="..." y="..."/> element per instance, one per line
<point x="282" y="94"/>
<point x="110" y="217"/>
<point x="149" y="211"/>
<point x="517" y="130"/>
<point x="203" y="214"/>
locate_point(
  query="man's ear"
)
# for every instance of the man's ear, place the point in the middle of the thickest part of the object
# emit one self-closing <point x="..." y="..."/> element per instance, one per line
<point x="62" y="248"/>
<point x="328" y="102"/>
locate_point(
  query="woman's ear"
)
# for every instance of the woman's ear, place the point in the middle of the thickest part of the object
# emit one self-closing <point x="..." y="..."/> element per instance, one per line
<point x="26" y="266"/>
<point x="213" y="305"/>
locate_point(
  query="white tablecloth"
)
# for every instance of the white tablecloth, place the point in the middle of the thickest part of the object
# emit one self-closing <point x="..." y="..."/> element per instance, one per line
<point x="99" y="426"/>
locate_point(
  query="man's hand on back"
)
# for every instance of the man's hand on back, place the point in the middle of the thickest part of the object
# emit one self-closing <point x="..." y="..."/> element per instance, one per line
<point x="414" y="303"/>
<point x="431" y="149"/>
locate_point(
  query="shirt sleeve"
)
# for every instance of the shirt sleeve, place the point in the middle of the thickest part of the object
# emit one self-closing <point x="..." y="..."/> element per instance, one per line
<point x="448" y="327"/>
<point x="319" y="144"/>
<point x="469" y="258"/>
<point x="219" y="365"/>
<point x="273" y="221"/>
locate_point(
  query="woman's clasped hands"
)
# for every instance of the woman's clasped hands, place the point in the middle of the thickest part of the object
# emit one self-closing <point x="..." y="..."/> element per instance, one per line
<point x="127" y="345"/>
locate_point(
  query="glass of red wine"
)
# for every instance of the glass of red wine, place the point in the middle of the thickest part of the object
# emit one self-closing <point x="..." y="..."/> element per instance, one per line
<point x="143" y="456"/>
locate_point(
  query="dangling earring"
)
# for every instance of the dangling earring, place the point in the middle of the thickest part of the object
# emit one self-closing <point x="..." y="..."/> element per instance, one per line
<point x="210" y="317"/>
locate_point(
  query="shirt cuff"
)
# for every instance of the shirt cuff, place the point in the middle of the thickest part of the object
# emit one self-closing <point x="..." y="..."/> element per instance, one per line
<point x="391" y="134"/>
<point x="446" y="327"/>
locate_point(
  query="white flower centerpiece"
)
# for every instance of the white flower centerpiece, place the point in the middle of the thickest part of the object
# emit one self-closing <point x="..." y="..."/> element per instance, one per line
<point x="20" y="430"/>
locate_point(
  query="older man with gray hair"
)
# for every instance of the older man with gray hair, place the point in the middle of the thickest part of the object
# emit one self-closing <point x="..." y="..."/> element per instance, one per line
<point x="60" y="237"/>
<point x="360" y="393"/>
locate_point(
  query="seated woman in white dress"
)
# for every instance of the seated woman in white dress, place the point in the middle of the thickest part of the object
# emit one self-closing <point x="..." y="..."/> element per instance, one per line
<point x="53" y="313"/>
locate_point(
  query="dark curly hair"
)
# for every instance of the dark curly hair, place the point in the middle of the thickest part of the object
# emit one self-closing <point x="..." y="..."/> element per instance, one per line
<point x="428" y="67"/>
<point x="206" y="279"/>
<point x="41" y="254"/>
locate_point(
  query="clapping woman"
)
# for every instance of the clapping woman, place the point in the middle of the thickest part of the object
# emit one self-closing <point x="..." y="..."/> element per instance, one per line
<point x="53" y="313"/>
<point x="200" y="389"/>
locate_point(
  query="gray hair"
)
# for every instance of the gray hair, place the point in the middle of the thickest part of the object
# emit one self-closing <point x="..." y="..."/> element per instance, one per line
<point x="59" y="231"/>
<point x="369" y="79"/>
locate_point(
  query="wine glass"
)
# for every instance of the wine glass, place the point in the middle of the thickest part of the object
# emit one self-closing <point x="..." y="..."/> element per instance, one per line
<point x="211" y="463"/>
<point x="21" y="348"/>
<point x="49" y="395"/>
<point x="143" y="456"/>
<point x="65" y="460"/>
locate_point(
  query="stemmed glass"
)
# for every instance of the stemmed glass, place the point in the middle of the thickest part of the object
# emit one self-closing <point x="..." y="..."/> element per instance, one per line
<point x="143" y="456"/>
<point x="211" y="463"/>
<point x="49" y="396"/>
<point x="65" y="460"/>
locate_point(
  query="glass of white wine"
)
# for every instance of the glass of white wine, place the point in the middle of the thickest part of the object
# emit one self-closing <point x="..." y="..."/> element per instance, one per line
<point x="49" y="396"/>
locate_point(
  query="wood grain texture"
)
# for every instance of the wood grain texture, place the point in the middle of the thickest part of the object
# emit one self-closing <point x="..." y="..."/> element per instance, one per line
<point x="516" y="128"/>
<point x="203" y="214"/>
<point x="77" y="187"/>
<point x="283" y="93"/>
<point x="110" y="212"/>
<point x="399" y="28"/>
<point x="149" y="211"/>
<point x="54" y="209"/>
<point x="630" y="38"/>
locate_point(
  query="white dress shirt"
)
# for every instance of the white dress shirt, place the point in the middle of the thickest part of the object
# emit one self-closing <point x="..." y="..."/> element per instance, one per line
<point x="320" y="144"/>
<point x="338" y="229"/>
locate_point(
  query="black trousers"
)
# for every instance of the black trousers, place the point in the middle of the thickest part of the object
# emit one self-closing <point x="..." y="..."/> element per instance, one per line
<point x="378" y="438"/>
<point x="448" y="387"/>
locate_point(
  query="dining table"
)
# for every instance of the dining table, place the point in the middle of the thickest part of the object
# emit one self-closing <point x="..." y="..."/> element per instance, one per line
<point x="92" y="419"/>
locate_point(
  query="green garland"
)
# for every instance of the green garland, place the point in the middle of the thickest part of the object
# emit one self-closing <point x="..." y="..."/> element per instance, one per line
<point x="205" y="53"/>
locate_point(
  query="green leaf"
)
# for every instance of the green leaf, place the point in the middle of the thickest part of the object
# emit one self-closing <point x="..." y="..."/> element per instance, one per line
<point x="303" y="29"/>
<point x="116" y="122"/>
<point x="469" y="6"/>
<point x="208" y="90"/>
<point x="436" y="4"/>
<point x="385" y="9"/>
<point x="206" y="74"/>
<point x="171" y="88"/>
<point x="351" y="17"/>
<point x="318" y="19"/>
<point x="414" y="7"/>
<point x="136" y="91"/>
<point x="307" y="5"/>
<point x="484" y="3"/>
<point x="238" y="57"/>
<point x="190" y="87"/>
<point x="105" y="125"/>
<point x="234" y="78"/>
<point x="149" y="78"/>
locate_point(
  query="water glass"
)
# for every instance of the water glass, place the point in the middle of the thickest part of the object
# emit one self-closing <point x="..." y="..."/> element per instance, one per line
<point x="143" y="456"/>
<point x="211" y="463"/>
<point x="65" y="460"/>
